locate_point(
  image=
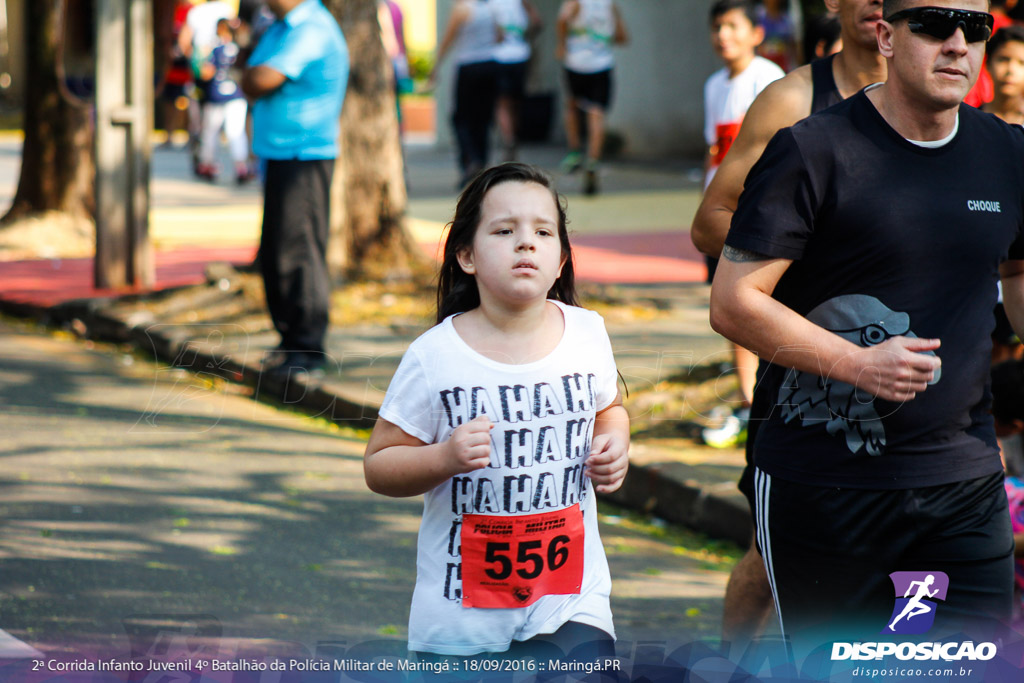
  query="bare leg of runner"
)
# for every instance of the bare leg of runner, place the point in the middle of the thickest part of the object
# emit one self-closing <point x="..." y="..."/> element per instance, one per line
<point x="574" y="159"/>
<point x="505" y="115"/>
<point x="746" y="372"/>
<point x="595" y="133"/>
<point x="748" y="599"/>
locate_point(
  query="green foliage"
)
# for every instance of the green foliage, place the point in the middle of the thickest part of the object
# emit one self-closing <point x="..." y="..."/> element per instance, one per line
<point x="420" y="64"/>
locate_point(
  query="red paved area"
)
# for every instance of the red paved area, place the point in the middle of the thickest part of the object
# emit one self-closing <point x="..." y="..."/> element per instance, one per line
<point x="646" y="258"/>
<point x="640" y="258"/>
<point x="50" y="281"/>
<point x="635" y="258"/>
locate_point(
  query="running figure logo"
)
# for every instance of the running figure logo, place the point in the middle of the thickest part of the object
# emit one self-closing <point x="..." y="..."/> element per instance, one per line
<point x="914" y="612"/>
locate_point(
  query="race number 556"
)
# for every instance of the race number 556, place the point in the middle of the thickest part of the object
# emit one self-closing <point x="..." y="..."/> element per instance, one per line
<point x="530" y="562"/>
<point x="514" y="561"/>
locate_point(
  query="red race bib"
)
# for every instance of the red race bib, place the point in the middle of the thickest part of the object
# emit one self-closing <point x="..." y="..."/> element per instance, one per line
<point x="513" y="561"/>
<point x="726" y="134"/>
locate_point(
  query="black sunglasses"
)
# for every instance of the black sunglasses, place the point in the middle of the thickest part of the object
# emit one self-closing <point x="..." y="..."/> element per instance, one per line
<point x="942" y="22"/>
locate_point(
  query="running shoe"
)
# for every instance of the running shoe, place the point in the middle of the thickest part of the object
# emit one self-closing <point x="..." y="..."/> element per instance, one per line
<point x="244" y="173"/>
<point x="207" y="171"/>
<point x="572" y="162"/>
<point x="731" y="433"/>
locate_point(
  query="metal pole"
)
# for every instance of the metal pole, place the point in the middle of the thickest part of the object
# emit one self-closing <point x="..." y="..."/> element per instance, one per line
<point x="124" y="118"/>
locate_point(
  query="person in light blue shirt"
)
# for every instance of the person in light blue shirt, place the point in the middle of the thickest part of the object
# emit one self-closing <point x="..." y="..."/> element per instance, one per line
<point x="296" y="77"/>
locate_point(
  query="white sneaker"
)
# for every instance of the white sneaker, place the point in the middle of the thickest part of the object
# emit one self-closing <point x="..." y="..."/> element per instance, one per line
<point x="732" y="432"/>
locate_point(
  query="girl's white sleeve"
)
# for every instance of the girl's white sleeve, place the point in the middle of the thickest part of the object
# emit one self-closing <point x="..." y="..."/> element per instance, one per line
<point x="407" y="402"/>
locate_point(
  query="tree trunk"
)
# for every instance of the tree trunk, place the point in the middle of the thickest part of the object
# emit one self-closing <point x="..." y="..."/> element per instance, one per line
<point x="57" y="165"/>
<point x="368" y="235"/>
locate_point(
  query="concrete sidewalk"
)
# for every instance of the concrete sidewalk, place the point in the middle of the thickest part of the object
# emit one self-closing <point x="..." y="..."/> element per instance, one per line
<point x="636" y="231"/>
<point x="633" y="240"/>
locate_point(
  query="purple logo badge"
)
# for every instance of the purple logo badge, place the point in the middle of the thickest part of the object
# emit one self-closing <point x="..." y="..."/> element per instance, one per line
<point x="917" y="594"/>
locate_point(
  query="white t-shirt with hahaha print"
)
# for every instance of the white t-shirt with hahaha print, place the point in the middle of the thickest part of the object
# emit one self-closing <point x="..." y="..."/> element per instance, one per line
<point x="543" y="414"/>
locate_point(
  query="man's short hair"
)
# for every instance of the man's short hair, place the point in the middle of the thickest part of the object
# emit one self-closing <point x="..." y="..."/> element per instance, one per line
<point x="891" y="7"/>
<point x="1008" y="34"/>
<point x="720" y="7"/>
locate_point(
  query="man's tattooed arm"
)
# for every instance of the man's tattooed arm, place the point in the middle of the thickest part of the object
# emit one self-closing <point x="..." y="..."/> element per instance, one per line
<point x="742" y="255"/>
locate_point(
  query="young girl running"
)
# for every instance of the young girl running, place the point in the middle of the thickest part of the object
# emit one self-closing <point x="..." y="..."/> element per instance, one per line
<point x="506" y="416"/>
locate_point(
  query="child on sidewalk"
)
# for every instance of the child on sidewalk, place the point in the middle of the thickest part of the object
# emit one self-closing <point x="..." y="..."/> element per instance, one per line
<point x="225" y="109"/>
<point x="519" y="21"/>
<point x="728" y="93"/>
<point x="506" y="416"/>
<point x="586" y="32"/>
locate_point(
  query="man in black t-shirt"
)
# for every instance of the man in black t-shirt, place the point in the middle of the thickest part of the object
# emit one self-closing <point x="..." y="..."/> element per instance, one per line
<point x="802" y="92"/>
<point x="862" y="262"/>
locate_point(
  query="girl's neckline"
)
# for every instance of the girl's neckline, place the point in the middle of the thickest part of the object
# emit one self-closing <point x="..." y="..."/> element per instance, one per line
<point x="449" y="326"/>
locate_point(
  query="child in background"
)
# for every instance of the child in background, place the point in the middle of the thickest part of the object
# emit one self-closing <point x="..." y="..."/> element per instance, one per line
<point x="981" y="91"/>
<point x="225" y="109"/>
<point x="728" y="94"/>
<point x="779" y="44"/>
<point x="586" y="32"/>
<point x="518" y="20"/>
<point x="1004" y="60"/>
<point x="472" y="34"/>
<point x="506" y="416"/>
<point x="176" y="104"/>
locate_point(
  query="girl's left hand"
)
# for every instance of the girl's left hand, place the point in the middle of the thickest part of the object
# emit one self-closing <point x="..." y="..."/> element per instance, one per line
<point x="607" y="463"/>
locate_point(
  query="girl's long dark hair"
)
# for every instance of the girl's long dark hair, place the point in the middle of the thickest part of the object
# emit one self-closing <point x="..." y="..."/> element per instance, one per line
<point x="456" y="290"/>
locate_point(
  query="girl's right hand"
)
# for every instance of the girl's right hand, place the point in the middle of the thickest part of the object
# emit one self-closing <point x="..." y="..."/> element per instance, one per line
<point x="469" y="446"/>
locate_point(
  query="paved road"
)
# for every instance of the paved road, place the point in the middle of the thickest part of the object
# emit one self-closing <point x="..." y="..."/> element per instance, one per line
<point x="136" y="498"/>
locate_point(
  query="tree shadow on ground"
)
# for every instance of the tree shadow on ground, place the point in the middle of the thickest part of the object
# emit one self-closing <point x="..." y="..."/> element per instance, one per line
<point x="220" y="519"/>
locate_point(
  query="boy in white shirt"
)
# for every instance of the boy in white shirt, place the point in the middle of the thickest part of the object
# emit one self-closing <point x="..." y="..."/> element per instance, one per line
<point x="728" y="93"/>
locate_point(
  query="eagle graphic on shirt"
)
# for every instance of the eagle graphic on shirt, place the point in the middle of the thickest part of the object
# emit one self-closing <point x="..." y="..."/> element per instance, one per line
<point x="845" y="409"/>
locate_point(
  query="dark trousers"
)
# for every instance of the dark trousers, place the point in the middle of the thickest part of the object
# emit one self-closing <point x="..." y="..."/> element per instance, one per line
<point x="829" y="553"/>
<point x="293" y="250"/>
<point x="476" y="91"/>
